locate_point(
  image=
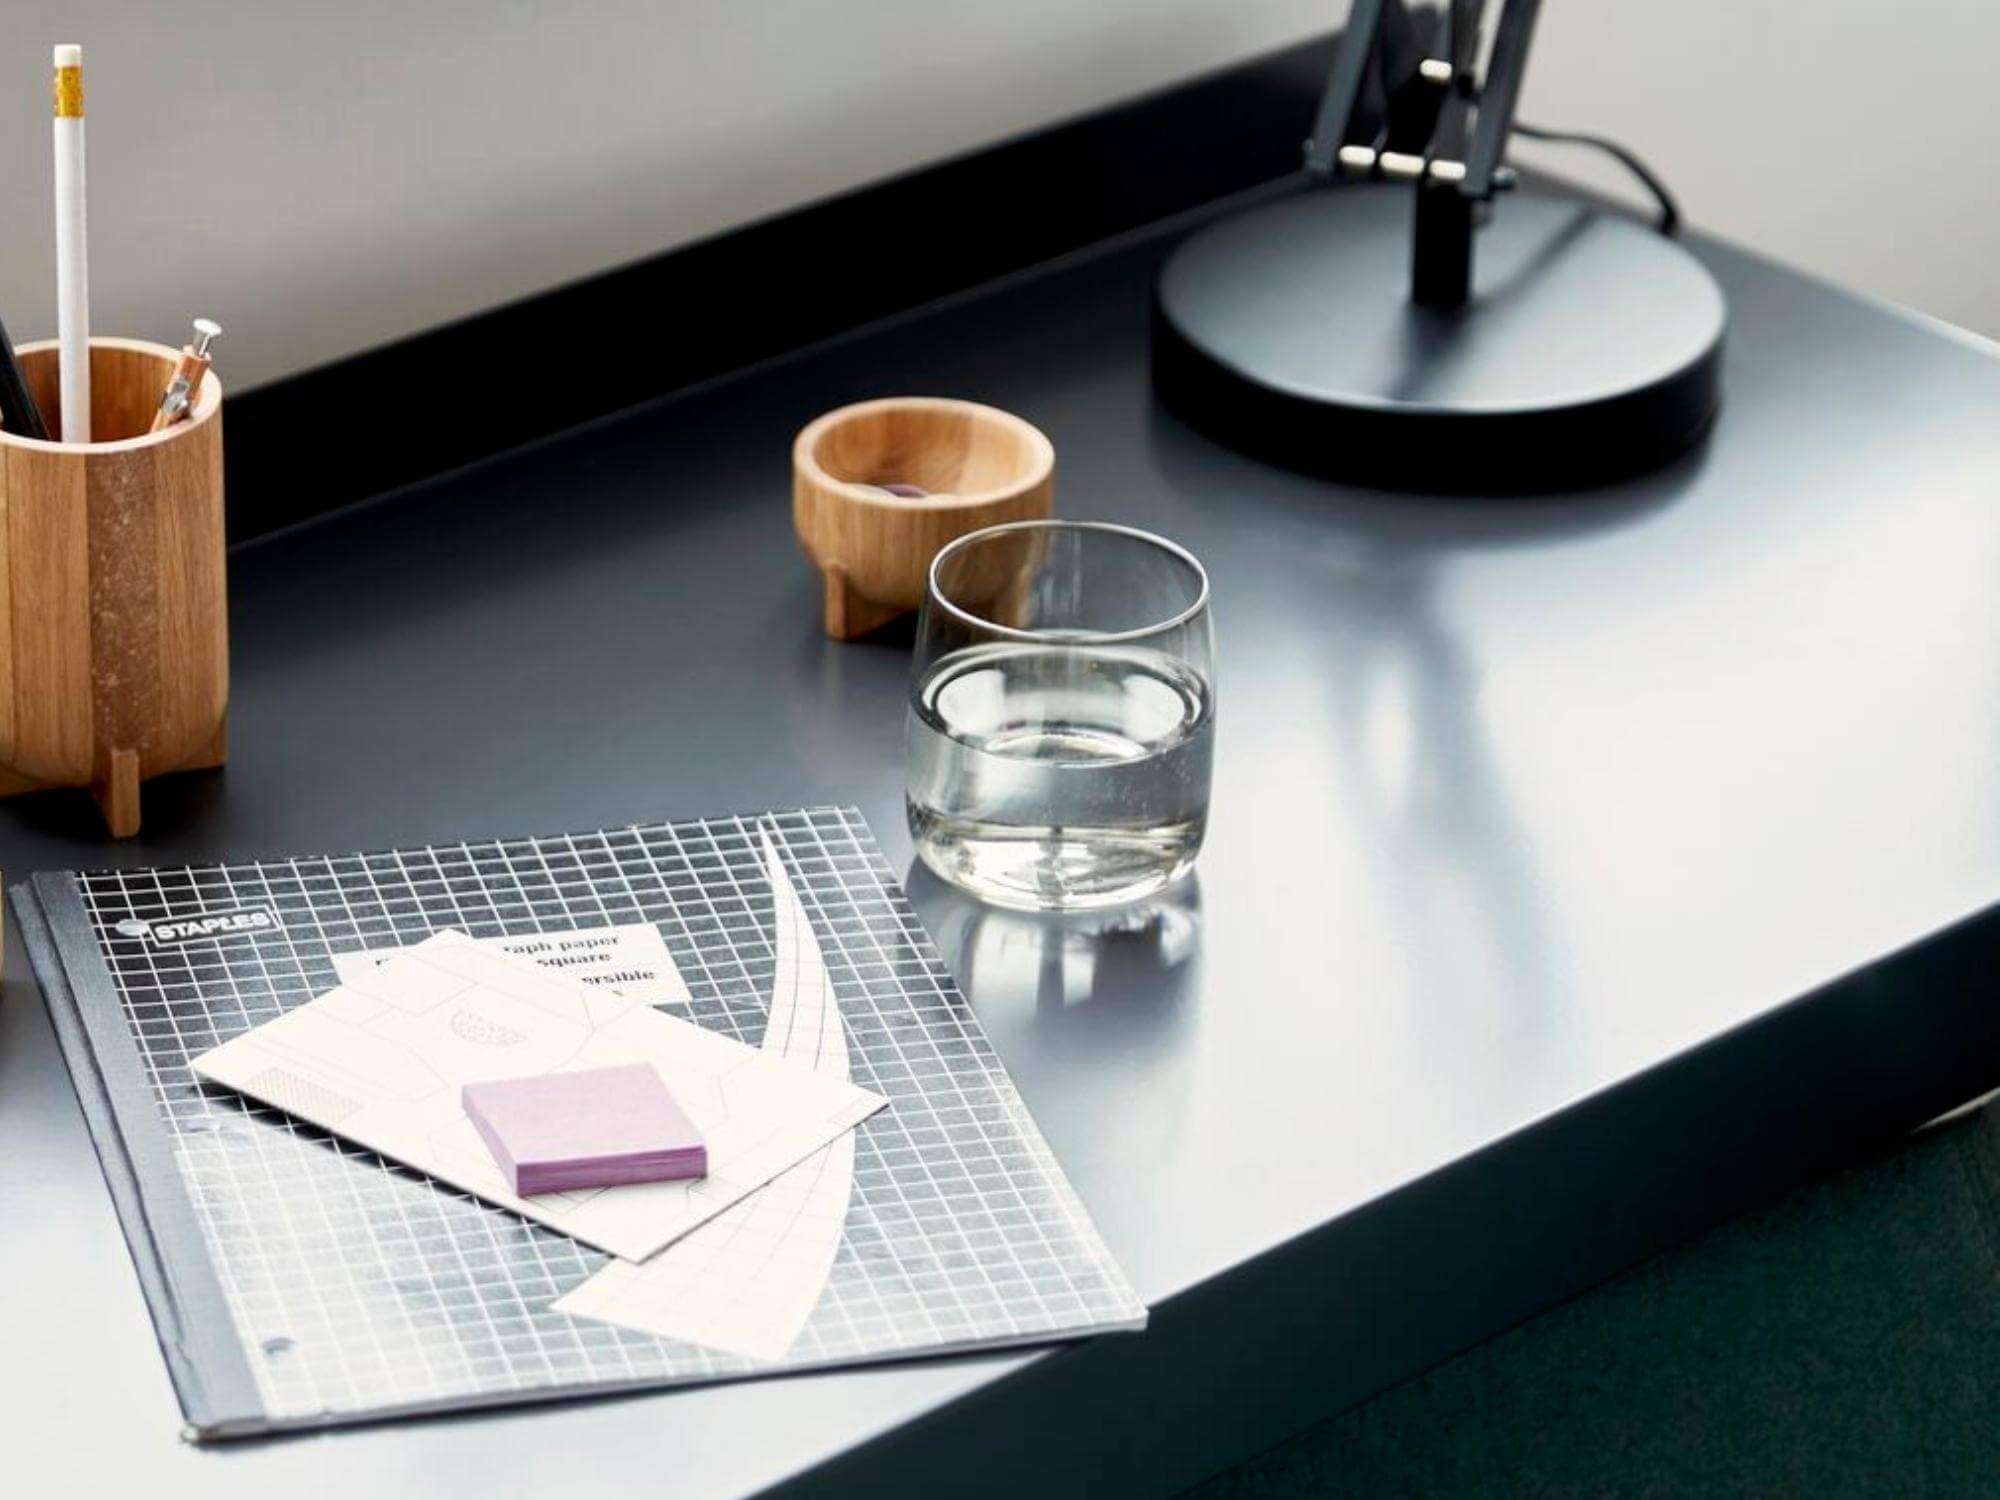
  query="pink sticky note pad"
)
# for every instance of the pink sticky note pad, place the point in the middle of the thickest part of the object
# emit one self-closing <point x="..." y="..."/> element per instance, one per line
<point x="599" y="1127"/>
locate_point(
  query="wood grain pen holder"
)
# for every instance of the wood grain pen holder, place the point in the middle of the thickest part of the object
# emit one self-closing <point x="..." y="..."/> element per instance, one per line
<point x="979" y="466"/>
<point x="114" y="635"/>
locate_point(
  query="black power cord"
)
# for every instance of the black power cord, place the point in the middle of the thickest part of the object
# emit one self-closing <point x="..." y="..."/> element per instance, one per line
<point x="1670" y="212"/>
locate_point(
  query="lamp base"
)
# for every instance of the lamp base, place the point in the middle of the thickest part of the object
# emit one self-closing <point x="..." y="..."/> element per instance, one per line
<point x="1591" y="348"/>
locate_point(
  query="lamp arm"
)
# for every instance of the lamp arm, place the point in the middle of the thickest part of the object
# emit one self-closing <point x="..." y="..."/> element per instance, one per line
<point x="1401" y="88"/>
<point x="1499" y="95"/>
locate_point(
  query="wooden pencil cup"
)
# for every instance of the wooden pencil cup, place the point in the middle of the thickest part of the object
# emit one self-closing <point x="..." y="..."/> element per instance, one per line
<point x="114" y="637"/>
<point x="976" y="465"/>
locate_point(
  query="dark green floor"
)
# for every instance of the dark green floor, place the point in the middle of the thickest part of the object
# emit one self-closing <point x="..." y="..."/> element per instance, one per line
<point x="1843" y="1343"/>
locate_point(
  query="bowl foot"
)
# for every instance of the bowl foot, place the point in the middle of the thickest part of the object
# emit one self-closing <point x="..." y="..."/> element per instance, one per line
<point x="847" y="614"/>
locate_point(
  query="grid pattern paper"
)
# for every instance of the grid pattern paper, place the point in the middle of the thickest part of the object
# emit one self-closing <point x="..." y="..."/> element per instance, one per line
<point x="358" y="1288"/>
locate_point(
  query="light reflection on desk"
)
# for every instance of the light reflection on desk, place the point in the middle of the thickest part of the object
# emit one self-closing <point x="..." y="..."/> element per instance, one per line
<point x="1102" y="1001"/>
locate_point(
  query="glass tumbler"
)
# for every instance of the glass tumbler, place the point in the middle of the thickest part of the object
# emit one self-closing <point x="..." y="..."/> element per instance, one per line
<point x="1062" y="714"/>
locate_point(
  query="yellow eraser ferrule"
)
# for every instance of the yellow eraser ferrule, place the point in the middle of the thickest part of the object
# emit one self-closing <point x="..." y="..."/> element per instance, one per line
<point x="69" y="93"/>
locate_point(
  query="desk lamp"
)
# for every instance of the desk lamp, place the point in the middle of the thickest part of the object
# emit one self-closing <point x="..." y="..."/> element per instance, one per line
<point x="1349" y="327"/>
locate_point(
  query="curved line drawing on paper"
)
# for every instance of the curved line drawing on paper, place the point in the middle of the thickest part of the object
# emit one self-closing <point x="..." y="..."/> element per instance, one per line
<point x="747" y="1281"/>
<point x="484" y="1032"/>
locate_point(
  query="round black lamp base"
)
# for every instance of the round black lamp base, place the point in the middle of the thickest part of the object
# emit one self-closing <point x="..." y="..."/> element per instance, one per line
<point x="1591" y="348"/>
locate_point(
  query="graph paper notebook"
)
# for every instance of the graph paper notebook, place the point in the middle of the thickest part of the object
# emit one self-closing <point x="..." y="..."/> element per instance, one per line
<point x="298" y="1282"/>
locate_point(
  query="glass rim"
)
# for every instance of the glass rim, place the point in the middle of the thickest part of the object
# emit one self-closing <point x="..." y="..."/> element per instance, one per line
<point x="935" y="594"/>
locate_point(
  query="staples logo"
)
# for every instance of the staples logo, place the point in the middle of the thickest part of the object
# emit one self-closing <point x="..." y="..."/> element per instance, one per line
<point x="210" y="925"/>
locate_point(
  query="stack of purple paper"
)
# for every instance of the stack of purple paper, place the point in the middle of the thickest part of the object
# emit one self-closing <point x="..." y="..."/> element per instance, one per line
<point x="596" y="1128"/>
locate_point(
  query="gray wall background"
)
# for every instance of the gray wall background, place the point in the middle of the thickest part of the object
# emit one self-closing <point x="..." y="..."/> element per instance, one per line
<point x="322" y="178"/>
<point x="1847" y="137"/>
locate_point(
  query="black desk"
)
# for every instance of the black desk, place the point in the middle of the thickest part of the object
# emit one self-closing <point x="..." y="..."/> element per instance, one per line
<point x="1526" y="813"/>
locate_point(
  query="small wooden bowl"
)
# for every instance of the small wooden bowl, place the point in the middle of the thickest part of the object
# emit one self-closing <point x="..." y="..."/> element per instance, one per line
<point x="979" y="465"/>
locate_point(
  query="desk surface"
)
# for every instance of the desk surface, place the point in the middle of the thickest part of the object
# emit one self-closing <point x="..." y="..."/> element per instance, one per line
<point x="1515" y="800"/>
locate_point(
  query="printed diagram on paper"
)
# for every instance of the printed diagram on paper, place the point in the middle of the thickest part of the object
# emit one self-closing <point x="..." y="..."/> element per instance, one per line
<point x="747" y="1280"/>
<point x="380" y="1060"/>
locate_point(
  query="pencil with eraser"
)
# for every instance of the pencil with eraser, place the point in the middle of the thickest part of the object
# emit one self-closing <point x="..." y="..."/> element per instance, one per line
<point x="72" y="262"/>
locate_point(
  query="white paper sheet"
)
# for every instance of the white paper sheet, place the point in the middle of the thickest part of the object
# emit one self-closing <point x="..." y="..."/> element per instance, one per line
<point x="381" y="1060"/>
<point x="631" y="958"/>
<point x="747" y="1281"/>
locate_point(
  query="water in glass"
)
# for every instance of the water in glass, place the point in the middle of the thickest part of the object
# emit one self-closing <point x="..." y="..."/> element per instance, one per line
<point x="1060" y="775"/>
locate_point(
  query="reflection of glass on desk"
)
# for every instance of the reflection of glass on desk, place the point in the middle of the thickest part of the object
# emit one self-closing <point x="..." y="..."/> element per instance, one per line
<point x="1061" y="725"/>
<point x="1099" y="1005"/>
<point x="1067" y="969"/>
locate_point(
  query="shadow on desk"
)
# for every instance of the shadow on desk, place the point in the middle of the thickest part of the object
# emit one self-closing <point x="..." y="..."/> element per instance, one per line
<point x="1420" y="523"/>
<point x="174" y="804"/>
